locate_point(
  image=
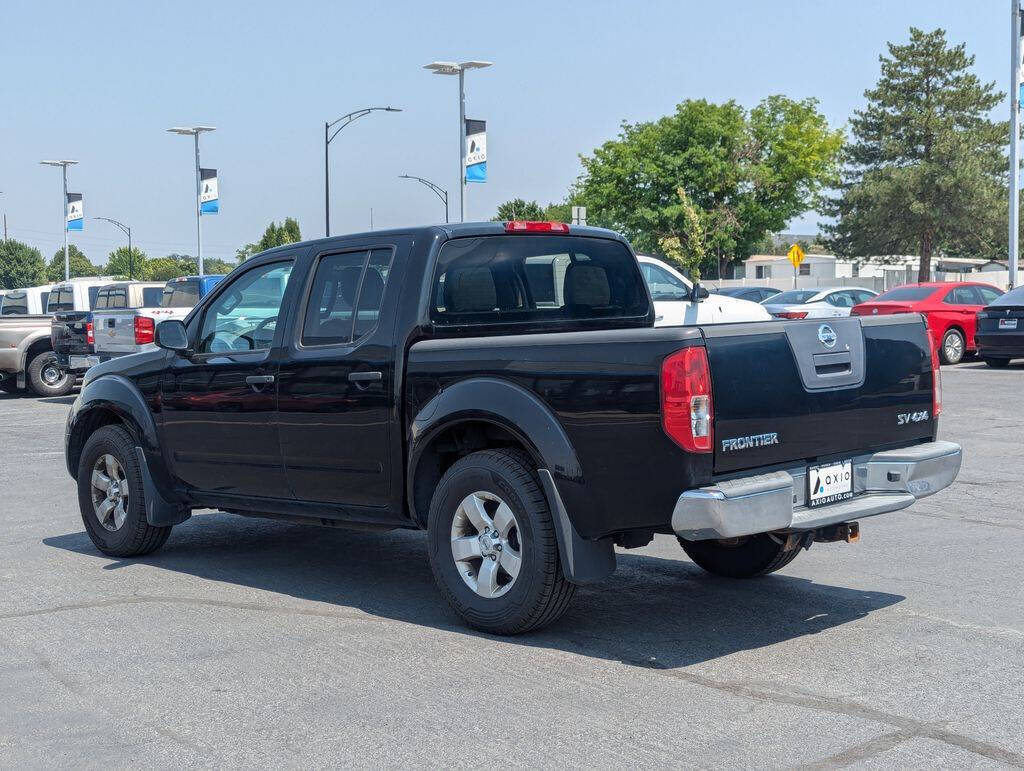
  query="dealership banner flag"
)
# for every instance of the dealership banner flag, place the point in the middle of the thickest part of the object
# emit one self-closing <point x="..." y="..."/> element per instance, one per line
<point x="75" y="213"/>
<point x="476" y="150"/>
<point x="209" y="198"/>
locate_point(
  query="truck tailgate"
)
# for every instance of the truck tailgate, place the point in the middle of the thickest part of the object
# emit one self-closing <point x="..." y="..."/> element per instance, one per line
<point x="69" y="333"/>
<point x="115" y="331"/>
<point x="788" y="392"/>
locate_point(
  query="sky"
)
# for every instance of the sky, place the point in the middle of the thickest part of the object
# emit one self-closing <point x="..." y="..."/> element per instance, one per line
<point x="100" y="82"/>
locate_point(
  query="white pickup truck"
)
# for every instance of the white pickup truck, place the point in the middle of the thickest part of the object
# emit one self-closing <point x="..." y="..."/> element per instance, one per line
<point x="119" y="332"/>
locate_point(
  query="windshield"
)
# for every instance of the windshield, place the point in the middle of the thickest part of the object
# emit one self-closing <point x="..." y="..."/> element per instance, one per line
<point x="792" y="297"/>
<point x="1014" y="297"/>
<point x="907" y="293"/>
<point x="663" y="285"/>
<point x="180" y="294"/>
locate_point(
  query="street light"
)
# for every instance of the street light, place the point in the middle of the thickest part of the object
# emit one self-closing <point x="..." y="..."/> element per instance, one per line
<point x="127" y="230"/>
<point x="195" y="131"/>
<point x="344" y="120"/>
<point x="459" y="68"/>
<point x="438" y="191"/>
<point x="64" y="218"/>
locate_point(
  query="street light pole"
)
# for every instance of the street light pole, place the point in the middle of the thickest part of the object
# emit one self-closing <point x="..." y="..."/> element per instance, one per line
<point x="344" y="120"/>
<point x="195" y="131"/>
<point x="438" y="191"/>
<point x="459" y="68"/>
<point x="127" y="230"/>
<point x="64" y="218"/>
<point x="1015" y="66"/>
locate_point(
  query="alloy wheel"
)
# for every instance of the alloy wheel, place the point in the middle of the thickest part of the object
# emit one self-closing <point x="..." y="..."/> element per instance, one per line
<point x="109" y="492"/>
<point x="486" y="545"/>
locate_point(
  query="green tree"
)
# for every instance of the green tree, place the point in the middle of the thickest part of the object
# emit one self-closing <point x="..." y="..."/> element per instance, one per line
<point x="119" y="261"/>
<point x="744" y="173"/>
<point x="926" y="170"/>
<point x="20" y="265"/>
<point x="215" y="266"/>
<point x="79" y="264"/>
<point x="519" y="209"/>
<point x="275" y="235"/>
<point x="171" y="266"/>
<point x="688" y="249"/>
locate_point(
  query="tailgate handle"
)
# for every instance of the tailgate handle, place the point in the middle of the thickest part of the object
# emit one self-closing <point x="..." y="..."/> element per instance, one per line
<point x="832" y="364"/>
<point x="110" y="323"/>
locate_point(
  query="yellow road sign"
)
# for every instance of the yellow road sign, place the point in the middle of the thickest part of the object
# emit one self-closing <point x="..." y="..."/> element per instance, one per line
<point x="796" y="255"/>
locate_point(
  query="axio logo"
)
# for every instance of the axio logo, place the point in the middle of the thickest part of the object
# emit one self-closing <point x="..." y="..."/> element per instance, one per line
<point x="827" y="336"/>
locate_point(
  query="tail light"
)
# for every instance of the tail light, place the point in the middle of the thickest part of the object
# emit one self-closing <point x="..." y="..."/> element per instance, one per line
<point x="524" y="226"/>
<point x="145" y="330"/>
<point x="687" y="409"/>
<point x="90" y="336"/>
<point x="933" y="349"/>
<point x="790" y="315"/>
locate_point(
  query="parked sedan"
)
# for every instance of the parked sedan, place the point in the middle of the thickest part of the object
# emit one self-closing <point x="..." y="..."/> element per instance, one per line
<point x="950" y="309"/>
<point x="819" y="303"/>
<point x="754" y="294"/>
<point x="1000" y="331"/>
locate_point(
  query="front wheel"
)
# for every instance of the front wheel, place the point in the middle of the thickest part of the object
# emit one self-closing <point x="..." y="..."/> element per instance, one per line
<point x="46" y="378"/>
<point x="492" y="544"/>
<point x="112" y="498"/>
<point x="953" y="347"/>
<point x="744" y="557"/>
<point x="996" y="363"/>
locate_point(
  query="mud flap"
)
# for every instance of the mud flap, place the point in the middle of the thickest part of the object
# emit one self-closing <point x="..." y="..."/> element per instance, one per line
<point x="584" y="562"/>
<point x="159" y="511"/>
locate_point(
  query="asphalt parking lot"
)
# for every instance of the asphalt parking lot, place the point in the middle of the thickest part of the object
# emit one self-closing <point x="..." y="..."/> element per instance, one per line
<point x="260" y="643"/>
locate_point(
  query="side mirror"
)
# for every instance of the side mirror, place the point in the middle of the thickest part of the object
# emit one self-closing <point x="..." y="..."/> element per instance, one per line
<point x="698" y="293"/>
<point x="172" y="335"/>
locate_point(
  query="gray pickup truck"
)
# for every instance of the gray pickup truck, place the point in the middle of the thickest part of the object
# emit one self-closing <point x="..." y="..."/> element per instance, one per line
<point x="27" y="357"/>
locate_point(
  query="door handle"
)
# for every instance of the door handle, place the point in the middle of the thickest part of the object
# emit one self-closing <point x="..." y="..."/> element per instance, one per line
<point x="255" y="380"/>
<point x="365" y="377"/>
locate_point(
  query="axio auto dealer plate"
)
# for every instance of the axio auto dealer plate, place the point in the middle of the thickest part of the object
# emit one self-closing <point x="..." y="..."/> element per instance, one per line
<point x="830" y="483"/>
<point x="1007" y="323"/>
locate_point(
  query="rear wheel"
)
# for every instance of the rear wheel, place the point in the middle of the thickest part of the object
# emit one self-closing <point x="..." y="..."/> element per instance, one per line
<point x="953" y="347"/>
<point x="492" y="544"/>
<point x="996" y="363"/>
<point x="46" y="378"/>
<point x="111" y="496"/>
<point x="744" y="557"/>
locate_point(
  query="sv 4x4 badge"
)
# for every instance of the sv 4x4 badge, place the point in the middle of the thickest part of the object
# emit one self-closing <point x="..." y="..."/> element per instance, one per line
<point x="906" y="418"/>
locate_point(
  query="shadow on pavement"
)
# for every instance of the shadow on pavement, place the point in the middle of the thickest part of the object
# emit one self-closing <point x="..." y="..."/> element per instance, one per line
<point x="653" y="612"/>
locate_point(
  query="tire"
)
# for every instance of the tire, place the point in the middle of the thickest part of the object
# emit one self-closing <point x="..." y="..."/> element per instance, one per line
<point x="953" y="347"/>
<point x="745" y="557"/>
<point x="996" y="363"/>
<point x="496" y="488"/>
<point x="122" y="531"/>
<point x="46" y="378"/>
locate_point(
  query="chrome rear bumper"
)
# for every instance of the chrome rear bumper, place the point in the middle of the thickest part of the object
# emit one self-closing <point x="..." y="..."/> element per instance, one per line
<point x="883" y="482"/>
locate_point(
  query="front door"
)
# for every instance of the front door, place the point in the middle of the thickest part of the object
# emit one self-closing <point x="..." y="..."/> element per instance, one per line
<point x="337" y="382"/>
<point x="219" y="405"/>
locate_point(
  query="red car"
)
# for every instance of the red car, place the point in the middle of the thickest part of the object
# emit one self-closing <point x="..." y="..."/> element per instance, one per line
<point x="950" y="309"/>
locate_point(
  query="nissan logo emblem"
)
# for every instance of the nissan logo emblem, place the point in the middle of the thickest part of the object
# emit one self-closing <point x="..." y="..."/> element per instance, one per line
<point x="827" y="336"/>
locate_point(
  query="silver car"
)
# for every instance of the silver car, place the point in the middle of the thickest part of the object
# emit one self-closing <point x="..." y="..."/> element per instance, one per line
<point x="817" y="303"/>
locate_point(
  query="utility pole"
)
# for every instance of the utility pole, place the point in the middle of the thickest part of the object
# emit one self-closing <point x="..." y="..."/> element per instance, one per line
<point x="1015" y="65"/>
<point x="64" y="218"/>
<point x="195" y="131"/>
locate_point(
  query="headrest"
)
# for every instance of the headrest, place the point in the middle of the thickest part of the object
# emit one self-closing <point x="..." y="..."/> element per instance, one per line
<point x="470" y="289"/>
<point x="587" y="285"/>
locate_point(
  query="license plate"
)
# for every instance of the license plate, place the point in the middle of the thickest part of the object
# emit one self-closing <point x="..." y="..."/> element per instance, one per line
<point x="83" y="362"/>
<point x="1007" y="323"/>
<point x="829" y="483"/>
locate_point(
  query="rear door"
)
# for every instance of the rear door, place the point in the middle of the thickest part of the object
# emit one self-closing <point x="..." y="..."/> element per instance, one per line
<point x="795" y="391"/>
<point x="960" y="307"/>
<point x="337" y="382"/>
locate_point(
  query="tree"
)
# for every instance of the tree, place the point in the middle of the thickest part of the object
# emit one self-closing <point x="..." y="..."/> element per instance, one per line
<point x="518" y="209"/>
<point x="20" y="265"/>
<point x="926" y="170"/>
<point x="78" y="262"/>
<point x="689" y="249"/>
<point x="215" y="266"/>
<point x="743" y="174"/>
<point x="275" y="235"/>
<point x="121" y="263"/>
<point x="171" y="266"/>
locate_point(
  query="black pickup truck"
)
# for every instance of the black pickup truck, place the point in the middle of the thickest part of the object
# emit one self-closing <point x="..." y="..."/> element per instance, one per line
<point x="503" y="386"/>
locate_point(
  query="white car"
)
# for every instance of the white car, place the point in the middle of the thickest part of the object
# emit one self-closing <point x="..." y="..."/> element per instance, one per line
<point x="817" y="302"/>
<point x="673" y="307"/>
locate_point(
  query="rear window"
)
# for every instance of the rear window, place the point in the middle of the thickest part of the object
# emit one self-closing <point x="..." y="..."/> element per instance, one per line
<point x="512" y="279"/>
<point x="907" y="293"/>
<point x="1013" y="297"/>
<point x="14" y="304"/>
<point x="793" y="297"/>
<point x="60" y="299"/>
<point x="180" y="294"/>
<point x="151" y="296"/>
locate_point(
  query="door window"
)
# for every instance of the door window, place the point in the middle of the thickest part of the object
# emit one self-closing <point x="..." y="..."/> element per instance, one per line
<point x="840" y="299"/>
<point x="963" y="295"/>
<point x="344" y="302"/>
<point x="663" y="285"/>
<point x="989" y="294"/>
<point x="244" y="316"/>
